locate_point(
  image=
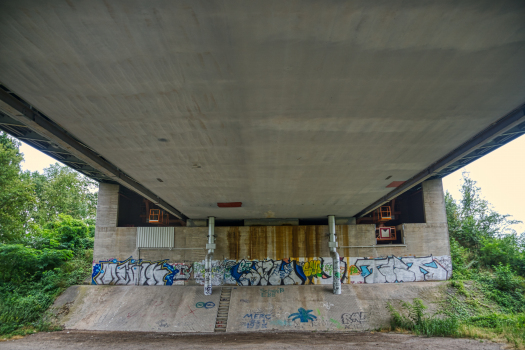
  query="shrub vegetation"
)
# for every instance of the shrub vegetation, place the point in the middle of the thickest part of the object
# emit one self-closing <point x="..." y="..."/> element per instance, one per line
<point x="486" y="298"/>
<point x="46" y="238"/>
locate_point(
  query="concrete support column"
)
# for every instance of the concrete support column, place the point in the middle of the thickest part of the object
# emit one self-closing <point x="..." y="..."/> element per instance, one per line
<point x="434" y="202"/>
<point x="107" y="205"/>
<point x="332" y="245"/>
<point x="106" y="222"/>
<point x="207" y="263"/>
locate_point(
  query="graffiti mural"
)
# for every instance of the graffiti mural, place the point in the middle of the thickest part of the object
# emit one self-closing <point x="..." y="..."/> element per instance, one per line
<point x="299" y="271"/>
<point x="139" y="272"/>
<point x="267" y="272"/>
<point x="219" y="272"/>
<point x="275" y="316"/>
<point x="303" y="315"/>
<point x="256" y="320"/>
<point x="270" y="293"/>
<point x="270" y="272"/>
<point x="395" y="269"/>
<point x="354" y="319"/>
<point x="207" y="305"/>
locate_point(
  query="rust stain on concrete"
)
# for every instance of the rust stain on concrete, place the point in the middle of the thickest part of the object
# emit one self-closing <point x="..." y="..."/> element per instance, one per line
<point x="258" y="243"/>
<point x="295" y="241"/>
<point x="234" y="247"/>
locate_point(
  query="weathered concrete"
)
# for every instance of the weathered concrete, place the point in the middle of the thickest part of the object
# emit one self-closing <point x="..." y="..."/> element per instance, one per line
<point x="115" y="242"/>
<point x="107" y="205"/>
<point x="295" y="110"/>
<point x="359" y="307"/>
<point x="111" y="241"/>
<point x="422" y="239"/>
<point x="131" y="308"/>
<point x="434" y="202"/>
<point x="274" y="242"/>
<point x="196" y="223"/>
<point x="176" y="309"/>
<point x="345" y="221"/>
<point x="260" y="252"/>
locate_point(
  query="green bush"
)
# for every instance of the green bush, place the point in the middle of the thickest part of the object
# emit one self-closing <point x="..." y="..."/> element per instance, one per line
<point x="413" y="318"/>
<point x="19" y="263"/>
<point x="506" y="279"/>
<point x="505" y="250"/>
<point x="66" y="233"/>
<point x="24" y="302"/>
<point x="34" y="273"/>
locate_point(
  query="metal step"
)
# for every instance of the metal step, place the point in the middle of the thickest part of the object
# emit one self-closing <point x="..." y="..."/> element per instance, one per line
<point x="221" y="321"/>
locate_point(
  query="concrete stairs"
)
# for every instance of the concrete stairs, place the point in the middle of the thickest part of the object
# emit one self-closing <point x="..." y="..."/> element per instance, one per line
<point x="224" y="306"/>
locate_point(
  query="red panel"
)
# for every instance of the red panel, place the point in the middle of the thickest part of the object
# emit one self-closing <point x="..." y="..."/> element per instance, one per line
<point x="396" y="183"/>
<point x="230" y="205"/>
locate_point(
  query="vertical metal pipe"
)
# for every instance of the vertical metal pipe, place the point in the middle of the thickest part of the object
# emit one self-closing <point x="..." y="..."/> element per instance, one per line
<point x="332" y="244"/>
<point x="211" y="230"/>
<point x="331" y="227"/>
<point x="209" y="256"/>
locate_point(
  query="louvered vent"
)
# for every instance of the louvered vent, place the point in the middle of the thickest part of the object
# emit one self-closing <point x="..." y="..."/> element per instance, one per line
<point x="155" y="237"/>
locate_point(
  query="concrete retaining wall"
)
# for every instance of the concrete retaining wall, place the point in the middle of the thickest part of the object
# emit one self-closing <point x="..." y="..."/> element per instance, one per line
<point x="299" y="271"/>
<point x="185" y="309"/>
<point x="273" y="255"/>
<point x="131" y="308"/>
<point x="273" y="242"/>
<point x="359" y="307"/>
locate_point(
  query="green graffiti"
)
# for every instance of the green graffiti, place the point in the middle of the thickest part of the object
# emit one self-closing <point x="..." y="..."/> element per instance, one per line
<point x="338" y="325"/>
<point x="353" y="270"/>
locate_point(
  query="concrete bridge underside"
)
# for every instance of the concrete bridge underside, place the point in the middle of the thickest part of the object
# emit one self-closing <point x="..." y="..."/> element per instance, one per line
<point x="296" y="109"/>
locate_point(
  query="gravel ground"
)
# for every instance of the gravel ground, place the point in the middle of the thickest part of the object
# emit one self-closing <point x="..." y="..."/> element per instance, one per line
<point x="262" y="340"/>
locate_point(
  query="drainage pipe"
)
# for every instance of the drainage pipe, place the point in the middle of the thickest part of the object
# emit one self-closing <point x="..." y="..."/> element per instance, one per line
<point x="332" y="245"/>
<point x="207" y="261"/>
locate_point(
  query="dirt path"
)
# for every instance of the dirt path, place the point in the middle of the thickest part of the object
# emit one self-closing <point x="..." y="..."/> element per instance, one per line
<point x="82" y="340"/>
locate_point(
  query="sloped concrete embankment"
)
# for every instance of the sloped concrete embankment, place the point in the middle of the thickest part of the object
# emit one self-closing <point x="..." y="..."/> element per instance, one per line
<point x="137" y="308"/>
<point x="285" y="308"/>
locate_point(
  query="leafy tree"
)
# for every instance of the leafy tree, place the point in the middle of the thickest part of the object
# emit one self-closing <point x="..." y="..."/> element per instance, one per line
<point x="479" y="235"/>
<point x="65" y="233"/>
<point x="471" y="220"/>
<point x="505" y="250"/>
<point x="19" y="263"/>
<point x="46" y="237"/>
<point x="61" y="190"/>
<point x="16" y="191"/>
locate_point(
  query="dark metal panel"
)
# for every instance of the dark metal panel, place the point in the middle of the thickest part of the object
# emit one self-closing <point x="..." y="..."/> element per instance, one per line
<point x="6" y="120"/>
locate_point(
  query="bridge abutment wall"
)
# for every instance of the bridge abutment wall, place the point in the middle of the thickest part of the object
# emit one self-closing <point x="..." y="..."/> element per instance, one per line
<point x="273" y="255"/>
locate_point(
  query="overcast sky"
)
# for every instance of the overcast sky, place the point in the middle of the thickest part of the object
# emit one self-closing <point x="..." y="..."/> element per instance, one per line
<point x="500" y="174"/>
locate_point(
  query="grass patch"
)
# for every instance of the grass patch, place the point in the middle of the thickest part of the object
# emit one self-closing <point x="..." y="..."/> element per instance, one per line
<point x="460" y="318"/>
<point x="412" y="317"/>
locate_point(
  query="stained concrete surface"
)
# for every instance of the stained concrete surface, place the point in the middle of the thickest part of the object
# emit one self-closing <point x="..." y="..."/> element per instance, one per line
<point x="256" y="308"/>
<point x="295" y="109"/>
<point x="82" y="340"/>
<point x="131" y="308"/>
<point x="316" y="308"/>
